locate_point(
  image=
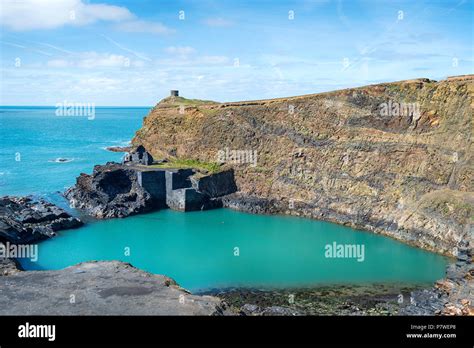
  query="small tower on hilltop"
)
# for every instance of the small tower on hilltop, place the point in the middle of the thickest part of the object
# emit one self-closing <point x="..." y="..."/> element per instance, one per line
<point x="174" y="93"/>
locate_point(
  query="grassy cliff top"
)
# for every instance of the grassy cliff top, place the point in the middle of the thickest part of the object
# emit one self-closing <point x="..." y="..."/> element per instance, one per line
<point x="171" y="102"/>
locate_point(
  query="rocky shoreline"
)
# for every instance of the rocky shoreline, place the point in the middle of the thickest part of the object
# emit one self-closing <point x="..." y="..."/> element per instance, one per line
<point x="26" y="220"/>
<point x="374" y="299"/>
<point x="119" y="190"/>
<point x="449" y="296"/>
<point x="452" y="295"/>
<point x="117" y="288"/>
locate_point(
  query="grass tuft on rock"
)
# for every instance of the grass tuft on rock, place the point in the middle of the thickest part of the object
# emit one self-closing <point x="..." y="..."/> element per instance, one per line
<point x="185" y="163"/>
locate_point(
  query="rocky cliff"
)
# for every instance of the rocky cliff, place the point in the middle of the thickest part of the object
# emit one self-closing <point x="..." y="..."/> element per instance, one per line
<point x="393" y="158"/>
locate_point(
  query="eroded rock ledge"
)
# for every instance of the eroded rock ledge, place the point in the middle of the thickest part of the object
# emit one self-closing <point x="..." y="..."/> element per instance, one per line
<point x="24" y="220"/>
<point x="120" y="190"/>
<point x="100" y="288"/>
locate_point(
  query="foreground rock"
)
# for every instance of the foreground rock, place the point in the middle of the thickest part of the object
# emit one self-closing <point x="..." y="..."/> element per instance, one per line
<point x="357" y="156"/>
<point x="120" y="190"/>
<point x="100" y="288"/>
<point x="24" y="220"/>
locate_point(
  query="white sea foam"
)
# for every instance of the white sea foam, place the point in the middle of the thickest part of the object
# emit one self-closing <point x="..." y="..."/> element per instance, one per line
<point x="62" y="160"/>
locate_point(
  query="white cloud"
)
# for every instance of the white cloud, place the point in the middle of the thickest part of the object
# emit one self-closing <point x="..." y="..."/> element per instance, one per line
<point x="214" y="60"/>
<point x="140" y="26"/>
<point x="194" y="61"/>
<point x="59" y="63"/>
<point x="91" y="60"/>
<point x="98" y="83"/>
<point x="218" y="22"/>
<point x="180" y="50"/>
<point x="49" y="14"/>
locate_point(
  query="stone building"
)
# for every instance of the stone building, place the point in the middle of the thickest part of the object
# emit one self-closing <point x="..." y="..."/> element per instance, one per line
<point x="139" y="156"/>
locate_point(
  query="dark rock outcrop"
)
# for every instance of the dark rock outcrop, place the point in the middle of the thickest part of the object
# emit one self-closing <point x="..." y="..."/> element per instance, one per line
<point x="24" y="220"/>
<point x="253" y="204"/>
<point x="116" y="190"/>
<point x="215" y="185"/>
<point x="112" y="190"/>
<point x="118" y="148"/>
<point x="100" y="288"/>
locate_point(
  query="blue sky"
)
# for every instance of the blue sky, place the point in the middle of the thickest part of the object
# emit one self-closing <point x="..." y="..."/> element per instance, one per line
<point x="131" y="53"/>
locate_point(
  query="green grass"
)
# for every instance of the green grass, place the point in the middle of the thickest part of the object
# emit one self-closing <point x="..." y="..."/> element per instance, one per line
<point x="178" y="101"/>
<point x="182" y="163"/>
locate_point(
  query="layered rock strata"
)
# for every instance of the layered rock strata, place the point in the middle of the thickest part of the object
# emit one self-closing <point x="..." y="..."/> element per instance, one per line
<point x="393" y="158"/>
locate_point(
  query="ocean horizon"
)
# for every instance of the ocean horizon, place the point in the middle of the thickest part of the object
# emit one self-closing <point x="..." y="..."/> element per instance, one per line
<point x="42" y="153"/>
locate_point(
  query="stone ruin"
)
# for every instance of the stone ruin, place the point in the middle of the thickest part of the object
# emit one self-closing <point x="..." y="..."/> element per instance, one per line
<point x="119" y="190"/>
<point x="116" y="190"/>
<point x="138" y="156"/>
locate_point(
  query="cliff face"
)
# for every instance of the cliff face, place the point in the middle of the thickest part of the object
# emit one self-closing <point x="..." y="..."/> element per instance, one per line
<point x="392" y="158"/>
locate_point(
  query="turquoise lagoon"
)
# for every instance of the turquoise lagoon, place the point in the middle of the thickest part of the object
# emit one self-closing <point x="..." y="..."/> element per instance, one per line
<point x="200" y="250"/>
